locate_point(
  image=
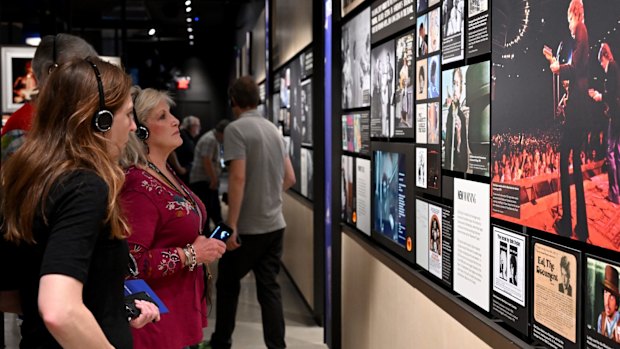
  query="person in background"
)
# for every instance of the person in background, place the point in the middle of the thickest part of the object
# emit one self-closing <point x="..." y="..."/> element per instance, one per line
<point x="52" y="51"/>
<point x="167" y="221"/>
<point x="260" y="170"/>
<point x="611" y="98"/>
<point x="62" y="216"/>
<point x="182" y="157"/>
<point x="206" y="170"/>
<point x="564" y="286"/>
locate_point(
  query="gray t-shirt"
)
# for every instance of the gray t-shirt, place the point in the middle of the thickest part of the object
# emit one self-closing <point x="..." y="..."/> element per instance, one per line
<point x="257" y="141"/>
<point x="207" y="147"/>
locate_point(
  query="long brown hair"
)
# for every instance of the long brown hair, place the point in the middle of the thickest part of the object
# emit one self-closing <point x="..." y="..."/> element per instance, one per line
<point x="62" y="139"/>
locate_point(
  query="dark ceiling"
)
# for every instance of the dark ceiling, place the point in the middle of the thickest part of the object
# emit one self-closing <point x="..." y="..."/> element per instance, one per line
<point x="109" y="17"/>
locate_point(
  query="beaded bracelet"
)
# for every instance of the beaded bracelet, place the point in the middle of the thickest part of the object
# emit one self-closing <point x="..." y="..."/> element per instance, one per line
<point x="190" y="255"/>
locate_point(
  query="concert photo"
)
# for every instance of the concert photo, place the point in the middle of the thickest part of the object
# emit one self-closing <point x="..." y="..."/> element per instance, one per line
<point x="556" y="118"/>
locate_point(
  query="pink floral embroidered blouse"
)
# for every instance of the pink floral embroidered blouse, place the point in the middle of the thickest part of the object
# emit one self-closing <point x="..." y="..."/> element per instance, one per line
<point x="162" y="220"/>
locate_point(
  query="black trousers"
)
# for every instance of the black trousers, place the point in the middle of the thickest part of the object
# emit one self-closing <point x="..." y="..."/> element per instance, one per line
<point x="261" y="254"/>
<point x="572" y="139"/>
<point x="211" y="199"/>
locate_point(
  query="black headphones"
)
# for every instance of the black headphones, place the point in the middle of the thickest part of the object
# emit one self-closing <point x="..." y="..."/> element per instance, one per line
<point x="102" y="121"/>
<point x="142" y="132"/>
<point x="54" y="65"/>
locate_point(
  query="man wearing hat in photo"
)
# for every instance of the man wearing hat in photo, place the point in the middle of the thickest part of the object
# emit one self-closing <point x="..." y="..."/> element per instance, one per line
<point x="607" y="323"/>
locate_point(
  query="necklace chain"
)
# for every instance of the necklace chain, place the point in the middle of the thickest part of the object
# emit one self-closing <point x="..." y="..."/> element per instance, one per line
<point x="184" y="192"/>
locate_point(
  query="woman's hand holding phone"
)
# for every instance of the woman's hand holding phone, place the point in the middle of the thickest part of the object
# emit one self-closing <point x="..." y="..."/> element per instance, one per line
<point x="208" y="250"/>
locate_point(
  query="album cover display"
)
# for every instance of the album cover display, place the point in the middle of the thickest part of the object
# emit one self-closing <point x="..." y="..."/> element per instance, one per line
<point x="356" y="61"/>
<point x="509" y="297"/>
<point x="393" y="182"/>
<point x="557" y="295"/>
<point x="466" y="123"/>
<point x="356" y="132"/>
<point x="382" y="91"/>
<point x="553" y="157"/>
<point x="434" y="239"/>
<point x="602" y="317"/>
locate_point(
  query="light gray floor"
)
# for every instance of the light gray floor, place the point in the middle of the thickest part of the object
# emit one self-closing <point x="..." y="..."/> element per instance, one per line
<point x="301" y="330"/>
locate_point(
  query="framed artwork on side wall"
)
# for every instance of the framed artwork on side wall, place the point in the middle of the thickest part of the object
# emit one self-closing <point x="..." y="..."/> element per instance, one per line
<point x="18" y="81"/>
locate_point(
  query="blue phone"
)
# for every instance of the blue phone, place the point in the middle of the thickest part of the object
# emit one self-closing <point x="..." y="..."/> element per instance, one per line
<point x="221" y="232"/>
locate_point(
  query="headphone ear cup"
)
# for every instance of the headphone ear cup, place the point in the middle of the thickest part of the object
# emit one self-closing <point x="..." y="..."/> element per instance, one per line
<point x="102" y="121"/>
<point x="142" y="132"/>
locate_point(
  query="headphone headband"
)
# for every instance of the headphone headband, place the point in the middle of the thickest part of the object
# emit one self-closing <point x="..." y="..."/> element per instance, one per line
<point x="102" y="121"/>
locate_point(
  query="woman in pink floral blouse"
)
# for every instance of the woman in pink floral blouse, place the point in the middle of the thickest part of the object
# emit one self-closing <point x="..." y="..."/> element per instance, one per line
<point x="167" y="220"/>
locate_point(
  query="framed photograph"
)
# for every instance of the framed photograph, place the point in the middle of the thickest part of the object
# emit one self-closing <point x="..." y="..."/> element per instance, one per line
<point x="17" y="76"/>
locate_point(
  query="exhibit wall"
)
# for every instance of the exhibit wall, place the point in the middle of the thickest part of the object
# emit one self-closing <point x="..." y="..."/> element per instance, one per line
<point x="483" y="154"/>
<point x="298" y="245"/>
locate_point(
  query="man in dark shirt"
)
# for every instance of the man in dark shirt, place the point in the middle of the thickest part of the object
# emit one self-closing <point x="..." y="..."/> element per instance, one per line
<point x="573" y="135"/>
<point x="611" y="98"/>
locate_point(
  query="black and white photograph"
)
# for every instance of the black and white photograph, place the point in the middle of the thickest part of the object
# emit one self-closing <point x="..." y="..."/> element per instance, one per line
<point x="453" y="23"/>
<point x="356" y="61"/>
<point x="477" y="6"/>
<point x="404" y="113"/>
<point x="307" y="171"/>
<point x="420" y="167"/>
<point x="306" y="112"/>
<point x="421" y="123"/>
<point x="382" y="91"/>
<point x="508" y="264"/>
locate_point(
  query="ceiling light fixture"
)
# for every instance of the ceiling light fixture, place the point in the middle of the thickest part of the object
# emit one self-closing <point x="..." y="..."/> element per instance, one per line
<point x="152" y="31"/>
<point x="189" y="20"/>
<point x="191" y="36"/>
<point x="189" y="29"/>
<point x="188" y="9"/>
<point x="188" y="2"/>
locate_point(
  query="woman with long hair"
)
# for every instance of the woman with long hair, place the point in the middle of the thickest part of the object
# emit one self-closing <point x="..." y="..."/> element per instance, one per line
<point x="62" y="215"/>
<point x="167" y="221"/>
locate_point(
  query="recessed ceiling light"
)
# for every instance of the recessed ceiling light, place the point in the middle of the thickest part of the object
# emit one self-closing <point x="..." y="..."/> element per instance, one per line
<point x="152" y="31"/>
<point x="191" y="43"/>
<point x="188" y="9"/>
<point x="33" y="40"/>
<point x="188" y="2"/>
<point x="189" y="29"/>
<point x="191" y="36"/>
<point x="188" y="20"/>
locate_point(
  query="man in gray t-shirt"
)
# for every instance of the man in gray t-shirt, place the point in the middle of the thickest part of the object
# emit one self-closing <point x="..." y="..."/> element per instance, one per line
<point x="259" y="171"/>
<point x="204" y="177"/>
